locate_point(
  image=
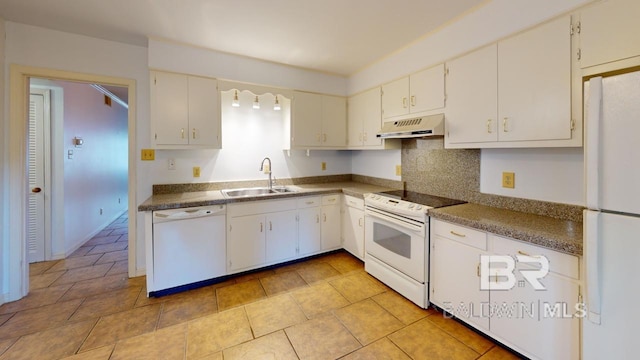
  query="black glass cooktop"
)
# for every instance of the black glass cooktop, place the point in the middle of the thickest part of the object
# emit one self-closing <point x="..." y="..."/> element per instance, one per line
<point x="422" y="199"/>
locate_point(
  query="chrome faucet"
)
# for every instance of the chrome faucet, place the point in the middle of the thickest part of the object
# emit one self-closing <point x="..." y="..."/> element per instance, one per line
<point x="269" y="171"/>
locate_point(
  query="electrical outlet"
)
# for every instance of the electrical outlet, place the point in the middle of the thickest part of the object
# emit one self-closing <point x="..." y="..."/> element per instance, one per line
<point x="172" y="164"/>
<point x="323" y="166"/>
<point x="508" y="180"/>
<point x="196" y="171"/>
<point x="148" y="154"/>
<point x="398" y="170"/>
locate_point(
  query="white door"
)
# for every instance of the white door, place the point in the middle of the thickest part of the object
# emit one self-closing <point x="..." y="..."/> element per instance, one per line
<point x="38" y="103"/>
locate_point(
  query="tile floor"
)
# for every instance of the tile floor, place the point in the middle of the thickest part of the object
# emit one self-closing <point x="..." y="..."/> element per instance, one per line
<point x="85" y="307"/>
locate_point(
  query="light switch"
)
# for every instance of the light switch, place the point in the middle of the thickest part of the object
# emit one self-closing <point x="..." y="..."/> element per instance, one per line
<point x="69" y="154"/>
<point x="398" y="170"/>
<point x="196" y="171"/>
<point x="508" y="180"/>
<point x="323" y="166"/>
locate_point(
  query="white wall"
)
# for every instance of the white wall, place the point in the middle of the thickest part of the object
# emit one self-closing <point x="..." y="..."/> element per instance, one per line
<point x="376" y="163"/>
<point x="248" y="136"/>
<point x="554" y="174"/>
<point x="199" y="61"/>
<point x="96" y="177"/>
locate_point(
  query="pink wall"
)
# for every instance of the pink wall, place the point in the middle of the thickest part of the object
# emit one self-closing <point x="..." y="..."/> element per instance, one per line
<point x="96" y="177"/>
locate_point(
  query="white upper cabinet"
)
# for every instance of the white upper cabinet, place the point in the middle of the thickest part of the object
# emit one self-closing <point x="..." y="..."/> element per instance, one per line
<point x="419" y="92"/>
<point x="472" y="97"/>
<point x="516" y="93"/>
<point x="318" y="121"/>
<point x="534" y="84"/>
<point x="185" y="111"/>
<point x="609" y="32"/>
<point x="364" y="119"/>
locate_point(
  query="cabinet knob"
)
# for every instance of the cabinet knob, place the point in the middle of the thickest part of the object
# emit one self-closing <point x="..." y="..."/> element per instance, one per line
<point x="194" y="133"/>
<point x="504" y="124"/>
<point x="182" y="133"/>
<point x="413" y="100"/>
<point x="489" y="126"/>
<point x="404" y="102"/>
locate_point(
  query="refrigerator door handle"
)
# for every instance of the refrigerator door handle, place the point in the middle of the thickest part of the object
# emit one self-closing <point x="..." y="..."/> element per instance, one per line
<point x="592" y="253"/>
<point x="592" y="145"/>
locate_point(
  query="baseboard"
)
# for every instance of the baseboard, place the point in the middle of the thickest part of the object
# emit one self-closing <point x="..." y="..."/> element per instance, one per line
<point x="77" y="245"/>
<point x="141" y="272"/>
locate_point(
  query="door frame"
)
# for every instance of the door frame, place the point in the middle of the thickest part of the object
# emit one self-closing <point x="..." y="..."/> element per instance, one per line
<point x="18" y="269"/>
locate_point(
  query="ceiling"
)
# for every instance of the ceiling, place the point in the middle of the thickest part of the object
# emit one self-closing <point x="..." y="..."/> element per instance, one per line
<point x="333" y="36"/>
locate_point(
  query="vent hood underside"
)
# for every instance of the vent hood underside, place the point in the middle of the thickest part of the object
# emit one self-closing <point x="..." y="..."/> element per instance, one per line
<point x="432" y="125"/>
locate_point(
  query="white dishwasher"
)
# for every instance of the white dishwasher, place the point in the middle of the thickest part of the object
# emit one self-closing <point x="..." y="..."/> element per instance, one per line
<point x="189" y="245"/>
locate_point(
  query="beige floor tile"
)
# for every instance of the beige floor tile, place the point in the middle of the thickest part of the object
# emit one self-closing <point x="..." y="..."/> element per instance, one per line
<point x="196" y="303"/>
<point x="357" y="286"/>
<point x="102" y="240"/>
<point x="168" y="343"/>
<point x="120" y="267"/>
<point x="38" y="319"/>
<point x="120" y="231"/>
<point x="100" y="305"/>
<point x="43" y="280"/>
<point x="381" y="349"/>
<point x="345" y="263"/>
<point x="440" y="345"/>
<point x="40" y="267"/>
<point x="283" y="282"/>
<point x="123" y="238"/>
<point x="465" y="335"/>
<point x="101" y="353"/>
<point x="276" y="313"/>
<point x="321" y="338"/>
<point x="239" y="294"/>
<point x="123" y="325"/>
<point x="4" y="318"/>
<point x="405" y="310"/>
<point x="102" y="285"/>
<point x="254" y="275"/>
<point x="73" y="263"/>
<point x="51" y="344"/>
<point x="499" y="353"/>
<point x="211" y="334"/>
<point x="104" y="232"/>
<point x="35" y="298"/>
<point x="315" y="272"/>
<point x="120" y="255"/>
<point x="84" y="273"/>
<point x="82" y="251"/>
<point x="368" y="321"/>
<point x="5" y="344"/>
<point x="272" y="346"/>
<point x="98" y="249"/>
<point x="318" y="299"/>
<point x="214" y="356"/>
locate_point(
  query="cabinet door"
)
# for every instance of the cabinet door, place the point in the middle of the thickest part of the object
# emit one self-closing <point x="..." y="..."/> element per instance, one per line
<point x="355" y="118"/>
<point x="609" y="32"/>
<point x="455" y="281"/>
<point x="307" y="119"/>
<point x="331" y="229"/>
<point x="427" y="89"/>
<point x="395" y="98"/>
<point x="282" y="236"/>
<point x="204" y="112"/>
<point x="308" y="230"/>
<point x="334" y="121"/>
<point x="365" y="118"/>
<point x="472" y="97"/>
<point x="353" y="231"/>
<point x="534" y="83"/>
<point x="246" y="242"/>
<point x="539" y="322"/>
<point x="169" y="108"/>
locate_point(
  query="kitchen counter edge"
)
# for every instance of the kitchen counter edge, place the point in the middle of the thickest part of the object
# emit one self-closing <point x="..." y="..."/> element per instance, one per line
<point x="555" y="234"/>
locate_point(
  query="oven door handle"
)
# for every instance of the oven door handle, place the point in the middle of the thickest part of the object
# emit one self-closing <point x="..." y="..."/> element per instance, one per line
<point x="396" y="220"/>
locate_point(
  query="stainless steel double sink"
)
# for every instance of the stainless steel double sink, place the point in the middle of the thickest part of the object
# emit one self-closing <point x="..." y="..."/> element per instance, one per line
<point x="256" y="191"/>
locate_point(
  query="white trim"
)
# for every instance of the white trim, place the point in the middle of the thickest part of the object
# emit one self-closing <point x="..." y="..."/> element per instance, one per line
<point x="108" y="93"/>
<point x="19" y="88"/>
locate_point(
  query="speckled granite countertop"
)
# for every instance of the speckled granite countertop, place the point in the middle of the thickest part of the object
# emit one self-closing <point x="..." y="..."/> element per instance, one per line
<point x="215" y="197"/>
<point x="561" y="235"/>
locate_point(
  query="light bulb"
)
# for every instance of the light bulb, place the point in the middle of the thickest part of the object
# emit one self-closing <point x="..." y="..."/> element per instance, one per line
<point x="256" y="103"/>
<point x="235" y="102"/>
<point x="276" y="105"/>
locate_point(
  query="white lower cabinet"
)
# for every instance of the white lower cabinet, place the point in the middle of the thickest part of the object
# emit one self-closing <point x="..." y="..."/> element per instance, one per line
<point x="245" y="242"/>
<point x="540" y="323"/>
<point x="309" y="211"/>
<point x="281" y="232"/>
<point x="353" y="226"/>
<point x="330" y="224"/>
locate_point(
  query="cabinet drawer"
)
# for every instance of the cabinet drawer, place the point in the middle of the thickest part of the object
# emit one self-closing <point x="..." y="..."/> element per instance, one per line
<point x="462" y="234"/>
<point x="331" y="199"/>
<point x="560" y="263"/>
<point x="310" y="201"/>
<point x="354" y="202"/>
<point x="260" y="207"/>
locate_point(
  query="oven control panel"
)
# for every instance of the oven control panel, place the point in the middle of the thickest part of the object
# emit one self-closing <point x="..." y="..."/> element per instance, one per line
<point x="394" y="205"/>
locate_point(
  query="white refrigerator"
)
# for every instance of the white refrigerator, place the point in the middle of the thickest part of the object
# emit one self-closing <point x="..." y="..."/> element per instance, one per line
<point x="612" y="218"/>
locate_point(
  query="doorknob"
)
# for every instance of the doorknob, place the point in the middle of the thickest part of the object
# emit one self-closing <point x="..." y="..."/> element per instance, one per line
<point x="36" y="190"/>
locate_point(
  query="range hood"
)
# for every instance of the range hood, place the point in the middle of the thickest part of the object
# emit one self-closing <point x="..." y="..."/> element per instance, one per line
<point x="432" y="125"/>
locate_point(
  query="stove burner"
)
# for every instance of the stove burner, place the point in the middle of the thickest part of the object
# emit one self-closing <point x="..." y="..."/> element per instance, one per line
<point x="421" y="199"/>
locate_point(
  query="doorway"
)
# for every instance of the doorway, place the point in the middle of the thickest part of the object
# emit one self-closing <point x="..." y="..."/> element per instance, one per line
<point x="18" y="182"/>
